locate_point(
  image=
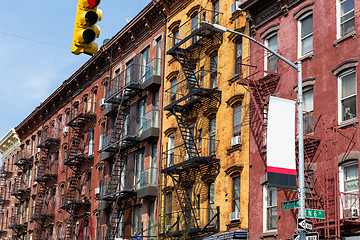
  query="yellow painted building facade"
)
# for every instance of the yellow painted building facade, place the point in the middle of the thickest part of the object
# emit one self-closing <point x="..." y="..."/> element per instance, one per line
<point x="205" y="165"/>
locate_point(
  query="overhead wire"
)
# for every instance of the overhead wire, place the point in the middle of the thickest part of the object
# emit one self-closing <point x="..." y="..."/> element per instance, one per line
<point x="33" y="40"/>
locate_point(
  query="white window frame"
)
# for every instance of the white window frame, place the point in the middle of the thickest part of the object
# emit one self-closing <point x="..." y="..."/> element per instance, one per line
<point x="265" y="217"/>
<point x="342" y="181"/>
<point x="267" y="53"/>
<point x="338" y="18"/>
<point x="339" y="94"/>
<point x="299" y="34"/>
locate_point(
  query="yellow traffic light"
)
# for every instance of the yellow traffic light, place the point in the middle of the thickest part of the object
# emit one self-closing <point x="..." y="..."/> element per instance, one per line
<point x="85" y="30"/>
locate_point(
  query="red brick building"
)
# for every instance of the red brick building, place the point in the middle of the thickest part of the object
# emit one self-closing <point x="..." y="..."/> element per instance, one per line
<point x="70" y="145"/>
<point x="322" y="35"/>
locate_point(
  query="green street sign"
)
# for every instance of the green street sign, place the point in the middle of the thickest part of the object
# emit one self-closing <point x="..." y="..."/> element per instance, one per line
<point x="290" y="204"/>
<point x="314" y="213"/>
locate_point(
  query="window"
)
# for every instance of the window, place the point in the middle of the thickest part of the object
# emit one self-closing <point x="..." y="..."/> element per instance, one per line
<point x="202" y="75"/>
<point x="308" y="100"/>
<point x="140" y="162"/>
<point x="200" y="138"/>
<point x="158" y="56"/>
<point x="212" y="135"/>
<point x="236" y="193"/>
<point x="238" y="55"/>
<point x="151" y="223"/>
<point x="128" y="71"/>
<point x="194" y="25"/>
<point x="306" y="34"/>
<point x="346" y="17"/>
<point x="350" y="186"/>
<point x="117" y="81"/>
<point x="168" y="209"/>
<point x="347" y="95"/>
<point x="211" y="202"/>
<point x="270" y="208"/>
<point x="213" y="69"/>
<point x="237" y="120"/>
<point x="137" y="220"/>
<point x="91" y="143"/>
<point x="141" y="115"/>
<point x="173" y="90"/>
<point x="171" y="150"/>
<point x="271" y="59"/>
<point x="175" y="33"/>
<point x="102" y="134"/>
<point x="145" y="58"/>
<point x="216" y="16"/>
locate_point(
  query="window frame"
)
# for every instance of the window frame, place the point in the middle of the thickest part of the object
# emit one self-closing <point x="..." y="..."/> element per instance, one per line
<point x="214" y="70"/>
<point x="234" y="199"/>
<point x="237" y="133"/>
<point x="266" y="191"/>
<point x="237" y="60"/>
<point x="301" y="38"/>
<point x="340" y="34"/>
<point x="340" y="98"/>
<point x="342" y="179"/>
<point x="269" y="55"/>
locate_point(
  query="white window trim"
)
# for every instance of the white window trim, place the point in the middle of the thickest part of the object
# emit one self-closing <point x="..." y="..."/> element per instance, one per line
<point x="338" y="17"/>
<point x="339" y="95"/>
<point x="342" y="183"/>
<point x="265" y="186"/>
<point x="266" y="53"/>
<point x="299" y="34"/>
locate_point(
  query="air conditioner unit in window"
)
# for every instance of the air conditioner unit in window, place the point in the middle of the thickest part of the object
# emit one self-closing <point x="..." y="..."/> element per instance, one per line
<point x="167" y="227"/>
<point x="352" y="213"/>
<point x="235" y="7"/>
<point x="66" y="129"/>
<point x="97" y="190"/>
<point x="235" y="140"/>
<point x="102" y="102"/>
<point x="234" y="216"/>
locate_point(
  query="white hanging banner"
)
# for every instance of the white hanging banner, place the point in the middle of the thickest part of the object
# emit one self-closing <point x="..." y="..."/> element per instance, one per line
<point x="281" y="165"/>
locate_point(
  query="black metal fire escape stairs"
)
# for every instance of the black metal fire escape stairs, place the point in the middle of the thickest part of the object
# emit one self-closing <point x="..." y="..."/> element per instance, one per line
<point x="183" y="173"/>
<point x="75" y="160"/>
<point x="114" y="189"/>
<point x="44" y="176"/>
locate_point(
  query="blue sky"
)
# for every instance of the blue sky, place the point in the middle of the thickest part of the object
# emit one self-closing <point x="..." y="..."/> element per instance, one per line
<point x="35" y="57"/>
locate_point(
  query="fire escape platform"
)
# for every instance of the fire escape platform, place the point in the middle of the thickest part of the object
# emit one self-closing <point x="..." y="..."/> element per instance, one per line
<point x="195" y="96"/>
<point x="81" y="119"/>
<point x="126" y="141"/>
<point x="78" y="159"/>
<point x="44" y="177"/>
<point x="128" y="90"/>
<point x="122" y="194"/>
<point x="203" y="32"/>
<point x="49" y="142"/>
<point x="189" y="164"/>
<point x="75" y="204"/>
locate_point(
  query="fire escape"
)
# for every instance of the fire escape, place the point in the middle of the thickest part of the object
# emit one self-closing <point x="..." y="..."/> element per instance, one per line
<point x="5" y="174"/>
<point x="116" y="190"/>
<point x="119" y="140"/>
<point x="46" y="175"/>
<point x="185" y="163"/>
<point x="82" y="116"/>
<point x="321" y="146"/>
<point x="21" y="190"/>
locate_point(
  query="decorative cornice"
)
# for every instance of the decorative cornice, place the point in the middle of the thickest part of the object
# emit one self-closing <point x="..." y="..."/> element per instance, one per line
<point x="9" y="142"/>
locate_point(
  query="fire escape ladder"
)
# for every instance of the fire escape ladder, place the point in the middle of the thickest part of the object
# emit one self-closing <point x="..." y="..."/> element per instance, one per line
<point x="39" y="204"/>
<point x="187" y="136"/>
<point x="114" y="221"/>
<point x="187" y="210"/>
<point x="182" y="55"/>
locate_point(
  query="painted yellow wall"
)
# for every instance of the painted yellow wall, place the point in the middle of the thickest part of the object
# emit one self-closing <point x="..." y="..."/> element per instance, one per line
<point x="229" y="157"/>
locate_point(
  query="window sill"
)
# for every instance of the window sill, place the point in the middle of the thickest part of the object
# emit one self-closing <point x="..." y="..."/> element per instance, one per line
<point x="308" y="56"/>
<point x="267" y="234"/>
<point x="233" y="225"/>
<point x="349" y="35"/>
<point x="233" y="149"/>
<point x="348" y="123"/>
